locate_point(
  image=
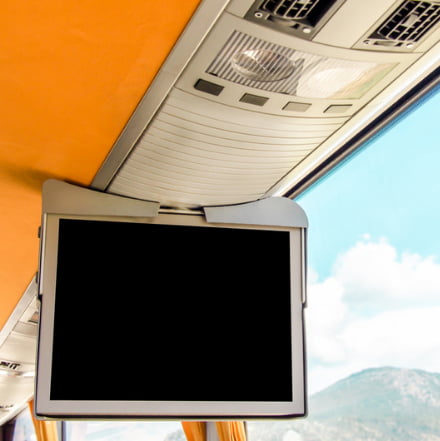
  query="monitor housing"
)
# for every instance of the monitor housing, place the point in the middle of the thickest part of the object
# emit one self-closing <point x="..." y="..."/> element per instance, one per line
<point x="150" y="313"/>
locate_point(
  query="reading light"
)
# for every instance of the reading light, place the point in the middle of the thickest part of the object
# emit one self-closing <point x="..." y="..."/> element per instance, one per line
<point x="340" y="79"/>
<point x="6" y="373"/>
<point x="253" y="62"/>
<point x="263" y="65"/>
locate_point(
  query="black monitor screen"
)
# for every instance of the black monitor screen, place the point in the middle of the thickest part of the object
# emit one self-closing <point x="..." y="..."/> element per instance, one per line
<point x="164" y="312"/>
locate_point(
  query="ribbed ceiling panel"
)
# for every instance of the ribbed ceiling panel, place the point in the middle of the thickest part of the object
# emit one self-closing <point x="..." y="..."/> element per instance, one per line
<point x="187" y="158"/>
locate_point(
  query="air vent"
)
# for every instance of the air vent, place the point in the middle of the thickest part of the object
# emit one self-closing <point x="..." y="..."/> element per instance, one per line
<point x="292" y="9"/>
<point x="406" y="26"/>
<point x="9" y="365"/>
<point x="302" y="18"/>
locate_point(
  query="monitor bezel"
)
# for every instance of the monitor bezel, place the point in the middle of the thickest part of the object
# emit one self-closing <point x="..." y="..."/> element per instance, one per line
<point x="45" y="407"/>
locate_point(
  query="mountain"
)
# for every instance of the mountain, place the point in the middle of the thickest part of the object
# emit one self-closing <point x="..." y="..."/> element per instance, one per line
<point x="379" y="404"/>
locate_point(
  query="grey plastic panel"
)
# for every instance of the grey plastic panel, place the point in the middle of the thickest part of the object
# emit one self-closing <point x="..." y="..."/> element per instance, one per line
<point x="63" y="198"/>
<point x="195" y="153"/>
<point x="277" y="211"/>
<point x="22" y="305"/>
<point x="200" y="24"/>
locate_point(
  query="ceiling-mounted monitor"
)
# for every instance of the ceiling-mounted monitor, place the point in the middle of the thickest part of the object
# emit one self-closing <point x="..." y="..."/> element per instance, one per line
<point x="150" y="314"/>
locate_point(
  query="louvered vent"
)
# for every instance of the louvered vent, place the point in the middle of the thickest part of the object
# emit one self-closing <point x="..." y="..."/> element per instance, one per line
<point x="292" y="9"/>
<point x="299" y="17"/>
<point x="9" y="365"/>
<point x="197" y="152"/>
<point x="407" y="25"/>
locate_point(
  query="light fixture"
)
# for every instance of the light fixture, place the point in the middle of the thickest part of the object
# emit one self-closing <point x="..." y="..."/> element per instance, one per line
<point x="7" y="373"/>
<point x="253" y="62"/>
<point x="263" y="65"/>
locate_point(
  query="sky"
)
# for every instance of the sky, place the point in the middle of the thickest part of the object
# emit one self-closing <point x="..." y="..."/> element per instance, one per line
<point x="374" y="254"/>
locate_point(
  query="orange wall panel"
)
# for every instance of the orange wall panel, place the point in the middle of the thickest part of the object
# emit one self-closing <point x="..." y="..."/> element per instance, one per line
<point x="71" y="75"/>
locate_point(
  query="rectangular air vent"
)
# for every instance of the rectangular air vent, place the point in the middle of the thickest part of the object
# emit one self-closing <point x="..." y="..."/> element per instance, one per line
<point x="406" y="26"/>
<point x="9" y="365"/>
<point x="293" y="9"/>
<point x="302" y="18"/>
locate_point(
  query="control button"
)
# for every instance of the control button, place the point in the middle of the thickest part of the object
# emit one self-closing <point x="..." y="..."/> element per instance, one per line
<point x="208" y="87"/>
<point x="257" y="100"/>
<point x="338" y="108"/>
<point x="296" y="107"/>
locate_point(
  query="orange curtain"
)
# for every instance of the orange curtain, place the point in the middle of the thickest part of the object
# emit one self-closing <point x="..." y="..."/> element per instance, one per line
<point x="194" y="430"/>
<point x="231" y="431"/>
<point x="226" y="430"/>
<point x="45" y="430"/>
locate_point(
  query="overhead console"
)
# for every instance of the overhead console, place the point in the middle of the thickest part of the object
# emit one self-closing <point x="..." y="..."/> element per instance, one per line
<point x="259" y="98"/>
<point x="151" y="313"/>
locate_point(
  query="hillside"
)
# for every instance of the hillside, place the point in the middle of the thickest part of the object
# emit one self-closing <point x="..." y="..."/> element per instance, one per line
<point x="380" y="404"/>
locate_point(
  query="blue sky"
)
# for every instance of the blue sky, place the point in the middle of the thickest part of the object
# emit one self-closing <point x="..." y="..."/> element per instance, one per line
<point x="374" y="255"/>
<point x="390" y="188"/>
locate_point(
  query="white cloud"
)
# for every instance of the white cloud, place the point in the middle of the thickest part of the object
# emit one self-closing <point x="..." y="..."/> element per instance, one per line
<point x="326" y="315"/>
<point x="378" y="308"/>
<point x="404" y="337"/>
<point x="291" y="435"/>
<point x="373" y="273"/>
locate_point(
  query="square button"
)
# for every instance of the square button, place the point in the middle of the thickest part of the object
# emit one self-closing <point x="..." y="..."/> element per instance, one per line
<point x="208" y="87"/>
<point x="338" y="108"/>
<point x="296" y="107"/>
<point x="257" y="100"/>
